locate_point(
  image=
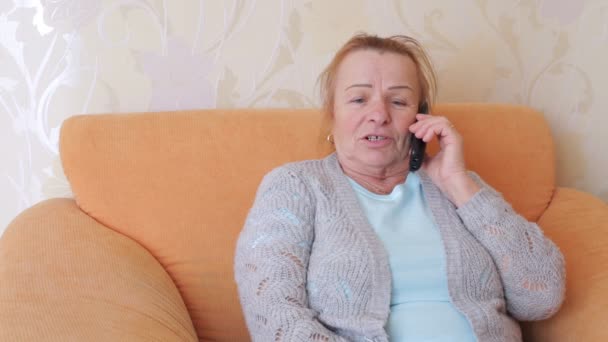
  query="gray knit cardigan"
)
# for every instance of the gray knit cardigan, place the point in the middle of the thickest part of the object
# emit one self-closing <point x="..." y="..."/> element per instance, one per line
<point x="309" y="266"/>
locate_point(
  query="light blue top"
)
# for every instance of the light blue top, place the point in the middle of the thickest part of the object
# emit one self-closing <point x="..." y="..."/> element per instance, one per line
<point x="421" y="309"/>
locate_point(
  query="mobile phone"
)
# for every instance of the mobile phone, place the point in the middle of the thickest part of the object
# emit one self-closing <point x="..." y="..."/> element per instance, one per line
<point x="417" y="146"/>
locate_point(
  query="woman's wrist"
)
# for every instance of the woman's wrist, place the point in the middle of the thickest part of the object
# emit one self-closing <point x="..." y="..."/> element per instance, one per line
<point x="460" y="189"/>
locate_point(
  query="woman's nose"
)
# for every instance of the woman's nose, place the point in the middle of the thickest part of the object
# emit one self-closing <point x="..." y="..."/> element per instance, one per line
<point x="379" y="113"/>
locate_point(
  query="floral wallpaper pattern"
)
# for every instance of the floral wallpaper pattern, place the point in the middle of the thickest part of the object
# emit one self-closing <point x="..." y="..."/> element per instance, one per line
<point x="63" y="57"/>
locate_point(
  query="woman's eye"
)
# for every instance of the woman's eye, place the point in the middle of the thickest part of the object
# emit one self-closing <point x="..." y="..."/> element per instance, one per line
<point x="358" y="100"/>
<point x="399" y="103"/>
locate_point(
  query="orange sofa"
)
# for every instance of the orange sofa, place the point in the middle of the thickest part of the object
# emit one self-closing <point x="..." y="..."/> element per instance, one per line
<point x="144" y="250"/>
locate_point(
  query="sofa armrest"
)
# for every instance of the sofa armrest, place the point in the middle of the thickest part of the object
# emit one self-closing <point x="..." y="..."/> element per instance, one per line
<point x="66" y="277"/>
<point x="578" y="223"/>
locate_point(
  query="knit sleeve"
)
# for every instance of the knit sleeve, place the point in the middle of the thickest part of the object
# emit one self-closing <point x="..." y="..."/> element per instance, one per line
<point x="530" y="265"/>
<point x="271" y="262"/>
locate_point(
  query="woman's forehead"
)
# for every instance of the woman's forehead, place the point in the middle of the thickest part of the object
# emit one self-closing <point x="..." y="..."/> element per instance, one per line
<point x="369" y="67"/>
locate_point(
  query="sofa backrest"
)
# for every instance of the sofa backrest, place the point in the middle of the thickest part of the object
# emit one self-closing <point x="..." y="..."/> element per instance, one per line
<point x="181" y="183"/>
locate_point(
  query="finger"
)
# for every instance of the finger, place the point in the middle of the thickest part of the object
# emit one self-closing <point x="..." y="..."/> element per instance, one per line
<point x="423" y="119"/>
<point x="425" y="133"/>
<point x="428" y="119"/>
<point x="428" y="136"/>
<point x="442" y="129"/>
<point x="419" y="119"/>
<point x="420" y="129"/>
<point x="439" y="125"/>
<point x="438" y="129"/>
<point x="443" y="122"/>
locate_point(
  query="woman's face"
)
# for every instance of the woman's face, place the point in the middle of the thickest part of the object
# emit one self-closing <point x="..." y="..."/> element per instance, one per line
<point x="376" y="100"/>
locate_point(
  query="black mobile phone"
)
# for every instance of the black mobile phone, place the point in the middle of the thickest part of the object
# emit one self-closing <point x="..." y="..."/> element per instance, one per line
<point x="418" y="146"/>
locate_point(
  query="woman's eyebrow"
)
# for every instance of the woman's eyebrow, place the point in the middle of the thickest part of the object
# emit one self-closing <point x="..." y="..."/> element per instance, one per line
<point x="365" y="85"/>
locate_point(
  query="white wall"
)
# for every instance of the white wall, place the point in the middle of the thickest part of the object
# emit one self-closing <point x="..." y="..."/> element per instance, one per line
<point x="63" y="57"/>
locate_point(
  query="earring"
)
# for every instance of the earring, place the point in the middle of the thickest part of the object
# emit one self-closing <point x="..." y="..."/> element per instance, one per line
<point x="330" y="138"/>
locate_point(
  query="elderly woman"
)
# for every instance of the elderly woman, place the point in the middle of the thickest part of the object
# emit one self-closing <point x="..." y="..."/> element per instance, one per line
<point x="357" y="247"/>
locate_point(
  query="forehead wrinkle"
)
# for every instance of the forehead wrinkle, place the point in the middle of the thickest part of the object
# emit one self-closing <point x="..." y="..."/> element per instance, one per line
<point x="401" y="87"/>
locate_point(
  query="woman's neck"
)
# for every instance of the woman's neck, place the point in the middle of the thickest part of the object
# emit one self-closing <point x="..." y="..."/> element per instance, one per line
<point x="378" y="182"/>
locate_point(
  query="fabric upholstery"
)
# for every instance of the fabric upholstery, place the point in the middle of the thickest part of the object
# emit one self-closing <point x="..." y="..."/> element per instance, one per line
<point x="186" y="181"/>
<point x="578" y="223"/>
<point x="65" y="277"/>
<point x="181" y="183"/>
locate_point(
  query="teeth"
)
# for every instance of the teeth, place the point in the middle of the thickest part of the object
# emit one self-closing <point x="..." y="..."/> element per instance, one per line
<point x="375" y="137"/>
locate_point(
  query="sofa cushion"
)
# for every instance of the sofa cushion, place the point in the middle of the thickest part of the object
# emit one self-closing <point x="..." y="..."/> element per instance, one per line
<point x="181" y="184"/>
<point x="65" y="277"/>
<point x="577" y="222"/>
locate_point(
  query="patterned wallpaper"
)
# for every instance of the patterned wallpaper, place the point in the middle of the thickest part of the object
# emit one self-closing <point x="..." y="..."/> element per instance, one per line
<point x="62" y="57"/>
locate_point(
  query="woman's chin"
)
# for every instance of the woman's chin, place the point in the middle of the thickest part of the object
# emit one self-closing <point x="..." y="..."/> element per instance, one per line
<point x="380" y="161"/>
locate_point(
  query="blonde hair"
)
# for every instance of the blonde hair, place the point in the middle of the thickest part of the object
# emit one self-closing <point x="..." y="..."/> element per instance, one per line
<point x="399" y="44"/>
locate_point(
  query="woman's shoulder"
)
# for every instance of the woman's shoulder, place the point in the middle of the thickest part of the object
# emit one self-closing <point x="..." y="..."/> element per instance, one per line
<point x="310" y="172"/>
<point x="304" y="168"/>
